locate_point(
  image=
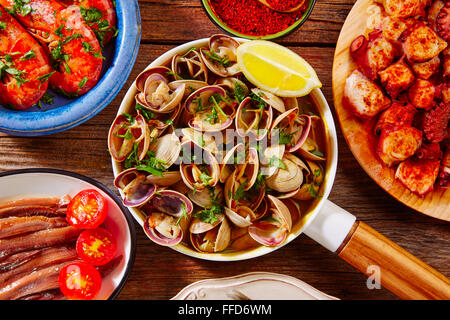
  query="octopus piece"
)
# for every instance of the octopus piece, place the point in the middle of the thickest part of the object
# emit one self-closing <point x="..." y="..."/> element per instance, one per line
<point x="422" y="94"/>
<point x="405" y="8"/>
<point x="424" y="70"/>
<point x="396" y="78"/>
<point x="423" y="44"/>
<point x="400" y="114"/>
<point x="418" y="175"/>
<point x="398" y="144"/>
<point x="372" y="55"/>
<point x="443" y="22"/>
<point x="433" y="12"/>
<point x="363" y="96"/>
<point x="429" y="151"/>
<point x="444" y="173"/>
<point x="435" y="126"/>
<point x="393" y="28"/>
<point x="446" y="65"/>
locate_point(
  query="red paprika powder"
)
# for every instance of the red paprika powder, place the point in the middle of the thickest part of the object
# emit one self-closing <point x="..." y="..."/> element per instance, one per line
<point x="251" y="17"/>
<point x="284" y="5"/>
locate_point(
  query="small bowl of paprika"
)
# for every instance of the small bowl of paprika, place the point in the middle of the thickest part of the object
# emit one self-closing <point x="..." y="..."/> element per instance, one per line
<point x="251" y="19"/>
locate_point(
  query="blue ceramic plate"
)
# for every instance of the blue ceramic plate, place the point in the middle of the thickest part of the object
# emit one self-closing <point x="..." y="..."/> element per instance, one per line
<point x="65" y="113"/>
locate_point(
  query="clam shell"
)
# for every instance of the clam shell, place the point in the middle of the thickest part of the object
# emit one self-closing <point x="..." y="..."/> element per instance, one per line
<point x="166" y="233"/>
<point x="237" y="219"/>
<point x="190" y="65"/>
<point x="267" y="233"/>
<point x="203" y="197"/>
<point x="136" y="189"/>
<point x="286" y="179"/>
<point x="249" y="123"/>
<point x="170" y="202"/>
<point x="271" y="99"/>
<point x="167" y="148"/>
<point x="167" y="179"/>
<point x="119" y="148"/>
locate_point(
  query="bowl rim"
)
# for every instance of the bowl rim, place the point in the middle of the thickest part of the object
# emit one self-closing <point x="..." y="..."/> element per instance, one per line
<point x="224" y="27"/>
<point x="332" y="149"/>
<point x="82" y="109"/>
<point x="114" y="197"/>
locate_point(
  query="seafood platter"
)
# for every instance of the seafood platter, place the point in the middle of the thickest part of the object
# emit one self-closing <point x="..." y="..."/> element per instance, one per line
<point x="392" y="95"/>
<point x="62" y="61"/>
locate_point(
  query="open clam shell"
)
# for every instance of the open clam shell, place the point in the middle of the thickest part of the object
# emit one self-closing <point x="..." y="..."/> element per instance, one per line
<point x="291" y="129"/>
<point x="207" y="197"/>
<point x="271" y="99"/>
<point x="203" y="140"/>
<point x="166" y="179"/>
<point x="289" y="177"/>
<point x="312" y="148"/>
<point x="136" y="189"/>
<point x="190" y="86"/>
<point x="236" y="195"/>
<point x="235" y="86"/>
<point x="210" y="108"/>
<point x="198" y="168"/>
<point x="240" y="216"/>
<point x="166" y="149"/>
<point x="119" y="146"/>
<point x="157" y="95"/>
<point x="221" y="58"/>
<point x="314" y="179"/>
<point x="215" y="239"/>
<point x="190" y="65"/>
<point x="253" y="121"/>
<point x="169" y="210"/>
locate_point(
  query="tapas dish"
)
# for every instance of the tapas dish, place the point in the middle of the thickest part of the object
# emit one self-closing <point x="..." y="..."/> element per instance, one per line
<point x="61" y="246"/>
<point x="391" y="87"/>
<point x="54" y="53"/>
<point x="212" y="162"/>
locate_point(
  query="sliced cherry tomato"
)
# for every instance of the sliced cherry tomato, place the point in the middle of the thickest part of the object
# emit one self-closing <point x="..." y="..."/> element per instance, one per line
<point x="87" y="210"/>
<point x="96" y="246"/>
<point x="79" y="281"/>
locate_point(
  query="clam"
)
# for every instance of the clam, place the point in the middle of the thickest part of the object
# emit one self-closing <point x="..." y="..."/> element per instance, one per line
<point x="274" y="151"/>
<point x="156" y="94"/>
<point x="244" y="162"/>
<point x="291" y="129"/>
<point x="198" y="168"/>
<point x="272" y="231"/>
<point x="203" y="140"/>
<point x="190" y="65"/>
<point x="168" y="216"/>
<point x="221" y="57"/>
<point x="235" y="86"/>
<point x="210" y="108"/>
<point x="289" y="177"/>
<point x="136" y="189"/>
<point x="166" y="149"/>
<point x="314" y="179"/>
<point x="166" y="179"/>
<point x="311" y="149"/>
<point x="271" y="99"/>
<point x="253" y="118"/>
<point x="207" y="197"/>
<point x="215" y="239"/>
<point x="231" y="159"/>
<point x="240" y="216"/>
<point x="190" y="86"/>
<point x="235" y="193"/>
<point x="124" y="136"/>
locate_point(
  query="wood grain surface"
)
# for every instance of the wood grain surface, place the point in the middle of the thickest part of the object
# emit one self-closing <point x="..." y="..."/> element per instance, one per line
<point x="159" y="273"/>
<point x="359" y="134"/>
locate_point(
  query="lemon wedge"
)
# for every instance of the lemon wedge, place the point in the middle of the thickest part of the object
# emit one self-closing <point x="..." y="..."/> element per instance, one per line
<point x="276" y="69"/>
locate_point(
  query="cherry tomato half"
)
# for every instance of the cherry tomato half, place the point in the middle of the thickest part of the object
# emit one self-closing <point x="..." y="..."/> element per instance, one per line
<point x="87" y="210"/>
<point x="79" y="281"/>
<point x="96" y="246"/>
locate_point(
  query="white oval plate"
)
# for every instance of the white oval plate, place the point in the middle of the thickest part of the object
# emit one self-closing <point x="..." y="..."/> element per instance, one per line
<point x="252" y="286"/>
<point x="50" y="182"/>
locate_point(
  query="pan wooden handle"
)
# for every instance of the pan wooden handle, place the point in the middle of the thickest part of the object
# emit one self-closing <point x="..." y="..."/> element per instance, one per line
<point x="400" y="272"/>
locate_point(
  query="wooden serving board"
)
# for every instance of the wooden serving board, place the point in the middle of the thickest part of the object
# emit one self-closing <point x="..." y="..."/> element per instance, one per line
<point x="359" y="134"/>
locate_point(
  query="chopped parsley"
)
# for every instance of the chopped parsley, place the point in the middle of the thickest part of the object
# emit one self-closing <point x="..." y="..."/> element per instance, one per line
<point x="276" y="162"/>
<point x="224" y="61"/>
<point x="27" y="56"/>
<point x="209" y="215"/>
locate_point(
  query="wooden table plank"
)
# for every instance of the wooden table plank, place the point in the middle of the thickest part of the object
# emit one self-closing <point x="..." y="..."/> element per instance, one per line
<point x="84" y="150"/>
<point x="179" y="21"/>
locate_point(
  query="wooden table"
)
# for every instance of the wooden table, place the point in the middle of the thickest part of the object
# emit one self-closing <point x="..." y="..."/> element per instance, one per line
<point x="159" y="273"/>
